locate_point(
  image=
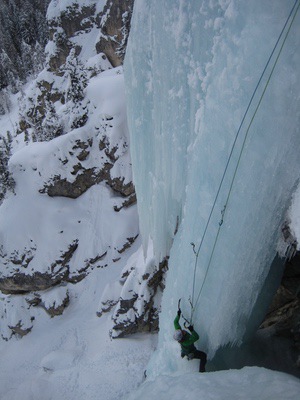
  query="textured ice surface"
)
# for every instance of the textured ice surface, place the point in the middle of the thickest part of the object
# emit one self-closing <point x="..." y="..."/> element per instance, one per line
<point x="191" y="69"/>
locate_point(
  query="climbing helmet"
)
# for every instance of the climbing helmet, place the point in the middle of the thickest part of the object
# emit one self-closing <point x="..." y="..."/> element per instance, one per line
<point x="178" y="335"/>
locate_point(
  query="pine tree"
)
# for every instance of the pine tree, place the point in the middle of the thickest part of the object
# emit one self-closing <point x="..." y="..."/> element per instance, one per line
<point x="5" y="103"/>
<point x="51" y="126"/>
<point x="76" y="83"/>
<point x="76" y="78"/>
<point x="6" y="181"/>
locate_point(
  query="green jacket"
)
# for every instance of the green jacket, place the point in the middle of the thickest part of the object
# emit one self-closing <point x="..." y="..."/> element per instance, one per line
<point x="187" y="343"/>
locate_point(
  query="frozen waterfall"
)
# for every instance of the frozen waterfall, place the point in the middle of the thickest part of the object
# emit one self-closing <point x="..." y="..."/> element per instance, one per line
<point x="191" y="69"/>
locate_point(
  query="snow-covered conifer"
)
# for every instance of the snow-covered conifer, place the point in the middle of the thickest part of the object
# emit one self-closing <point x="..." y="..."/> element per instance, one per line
<point x="76" y="81"/>
<point x="6" y="180"/>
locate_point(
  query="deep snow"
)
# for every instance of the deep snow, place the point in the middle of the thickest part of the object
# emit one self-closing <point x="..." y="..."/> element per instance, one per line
<point x="245" y="384"/>
<point x="72" y="356"/>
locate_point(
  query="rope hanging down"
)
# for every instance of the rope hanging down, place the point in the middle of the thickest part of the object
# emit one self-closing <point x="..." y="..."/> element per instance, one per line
<point x="291" y="18"/>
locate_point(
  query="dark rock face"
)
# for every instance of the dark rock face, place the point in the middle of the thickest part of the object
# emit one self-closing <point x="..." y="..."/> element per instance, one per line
<point x="124" y="189"/>
<point x="115" y="25"/>
<point x="62" y="187"/>
<point x="71" y="22"/>
<point x="86" y="177"/>
<point x="284" y="313"/>
<point x="84" y="180"/>
<point x="20" y="330"/>
<point x="20" y="283"/>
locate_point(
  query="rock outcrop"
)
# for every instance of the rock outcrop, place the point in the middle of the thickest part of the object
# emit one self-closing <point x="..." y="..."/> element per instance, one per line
<point x="86" y="177"/>
<point x="19" y="330"/>
<point x="23" y="282"/>
<point x="284" y="313"/>
<point x="136" y="301"/>
<point x="115" y="26"/>
<point x="53" y="303"/>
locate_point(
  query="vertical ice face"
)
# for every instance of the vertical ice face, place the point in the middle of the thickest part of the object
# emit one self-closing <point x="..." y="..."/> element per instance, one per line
<point x="191" y="69"/>
<point x="158" y="105"/>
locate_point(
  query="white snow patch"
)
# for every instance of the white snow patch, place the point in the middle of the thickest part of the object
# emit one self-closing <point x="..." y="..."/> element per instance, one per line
<point x="250" y="383"/>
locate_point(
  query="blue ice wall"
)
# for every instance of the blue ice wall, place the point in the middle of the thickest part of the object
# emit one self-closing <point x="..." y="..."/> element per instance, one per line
<point x="191" y="69"/>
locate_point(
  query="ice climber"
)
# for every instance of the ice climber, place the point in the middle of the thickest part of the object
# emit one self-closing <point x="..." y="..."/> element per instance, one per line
<point x="187" y="341"/>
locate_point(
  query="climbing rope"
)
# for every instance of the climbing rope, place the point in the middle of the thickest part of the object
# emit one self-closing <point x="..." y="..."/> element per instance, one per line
<point x="291" y="17"/>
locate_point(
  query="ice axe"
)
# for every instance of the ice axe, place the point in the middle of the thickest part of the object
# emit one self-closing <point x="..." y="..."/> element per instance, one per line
<point x="180" y="313"/>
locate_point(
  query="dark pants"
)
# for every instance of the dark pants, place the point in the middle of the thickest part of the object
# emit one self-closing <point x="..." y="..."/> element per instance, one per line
<point x="202" y="357"/>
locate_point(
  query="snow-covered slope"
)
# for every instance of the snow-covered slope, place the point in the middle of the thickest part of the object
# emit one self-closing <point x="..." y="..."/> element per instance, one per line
<point x="59" y="237"/>
<point x="248" y="384"/>
<point x="72" y="208"/>
<point x="70" y="356"/>
<point x="70" y="224"/>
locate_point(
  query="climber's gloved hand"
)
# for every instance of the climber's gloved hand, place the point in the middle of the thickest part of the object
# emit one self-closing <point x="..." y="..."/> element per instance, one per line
<point x="179" y="312"/>
<point x="191" y="328"/>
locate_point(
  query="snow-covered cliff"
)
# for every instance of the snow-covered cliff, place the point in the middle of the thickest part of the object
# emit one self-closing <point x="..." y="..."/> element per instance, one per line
<point x="68" y="216"/>
<point x="65" y="164"/>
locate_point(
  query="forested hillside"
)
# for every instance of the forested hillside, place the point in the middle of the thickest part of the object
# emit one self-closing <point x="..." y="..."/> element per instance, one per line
<point x="23" y="35"/>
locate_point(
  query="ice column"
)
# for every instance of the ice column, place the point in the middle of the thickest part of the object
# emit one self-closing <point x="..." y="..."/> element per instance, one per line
<point x="191" y="69"/>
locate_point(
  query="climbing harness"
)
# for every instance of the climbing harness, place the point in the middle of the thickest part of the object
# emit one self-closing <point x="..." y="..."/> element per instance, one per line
<point x="291" y="17"/>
